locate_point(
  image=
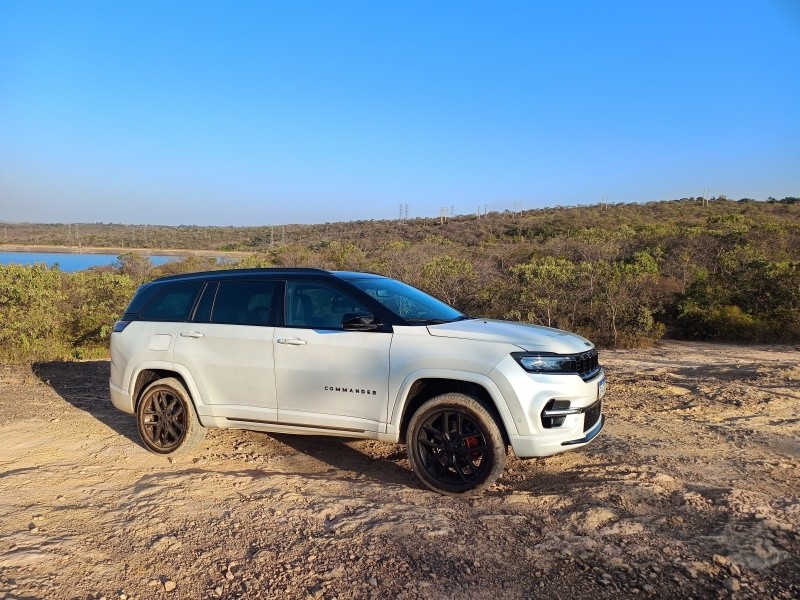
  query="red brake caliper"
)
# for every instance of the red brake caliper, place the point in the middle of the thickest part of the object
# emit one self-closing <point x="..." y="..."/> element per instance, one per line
<point x="472" y="442"/>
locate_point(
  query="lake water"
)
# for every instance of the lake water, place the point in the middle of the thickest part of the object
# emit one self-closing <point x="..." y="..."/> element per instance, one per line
<point x="69" y="262"/>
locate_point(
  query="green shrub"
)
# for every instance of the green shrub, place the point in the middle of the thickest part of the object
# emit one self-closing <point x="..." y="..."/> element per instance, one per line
<point x="95" y="299"/>
<point x="31" y="314"/>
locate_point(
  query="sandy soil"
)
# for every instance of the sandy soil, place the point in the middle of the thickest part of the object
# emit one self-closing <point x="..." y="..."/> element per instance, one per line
<point x="692" y="490"/>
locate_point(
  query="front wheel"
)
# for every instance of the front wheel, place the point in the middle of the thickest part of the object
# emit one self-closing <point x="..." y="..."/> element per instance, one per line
<point x="166" y="418"/>
<point x="455" y="445"/>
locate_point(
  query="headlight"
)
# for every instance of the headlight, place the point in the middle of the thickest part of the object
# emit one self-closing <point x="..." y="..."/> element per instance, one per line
<point x="546" y="363"/>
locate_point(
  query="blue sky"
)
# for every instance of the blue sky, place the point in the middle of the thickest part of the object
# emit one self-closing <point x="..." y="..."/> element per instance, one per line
<point x="236" y="113"/>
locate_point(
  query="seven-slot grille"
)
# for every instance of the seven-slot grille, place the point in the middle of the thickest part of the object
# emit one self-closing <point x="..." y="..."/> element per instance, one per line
<point x="587" y="363"/>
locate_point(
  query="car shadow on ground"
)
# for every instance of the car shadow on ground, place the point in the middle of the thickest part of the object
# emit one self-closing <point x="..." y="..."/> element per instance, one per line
<point x="338" y="454"/>
<point x="85" y="386"/>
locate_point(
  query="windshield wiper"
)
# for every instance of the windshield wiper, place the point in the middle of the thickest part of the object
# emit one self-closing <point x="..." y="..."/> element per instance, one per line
<point x="427" y="321"/>
<point x="438" y="321"/>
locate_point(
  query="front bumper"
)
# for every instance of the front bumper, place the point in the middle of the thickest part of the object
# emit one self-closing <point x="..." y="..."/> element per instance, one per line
<point x="590" y="435"/>
<point x="551" y="413"/>
<point x="537" y="446"/>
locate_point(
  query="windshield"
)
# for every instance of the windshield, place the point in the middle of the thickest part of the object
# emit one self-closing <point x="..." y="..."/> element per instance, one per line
<point x="409" y="303"/>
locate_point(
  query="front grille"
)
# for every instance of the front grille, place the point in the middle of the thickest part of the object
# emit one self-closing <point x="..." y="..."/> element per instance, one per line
<point x="587" y="364"/>
<point x="591" y="416"/>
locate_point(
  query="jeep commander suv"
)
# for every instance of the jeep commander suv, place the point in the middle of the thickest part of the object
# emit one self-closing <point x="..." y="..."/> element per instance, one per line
<point x="307" y="351"/>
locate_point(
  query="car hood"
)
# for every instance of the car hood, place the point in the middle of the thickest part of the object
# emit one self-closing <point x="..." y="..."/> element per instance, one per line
<point x="534" y="338"/>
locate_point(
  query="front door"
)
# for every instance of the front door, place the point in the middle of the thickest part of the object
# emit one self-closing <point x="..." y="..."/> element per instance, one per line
<point x="327" y="377"/>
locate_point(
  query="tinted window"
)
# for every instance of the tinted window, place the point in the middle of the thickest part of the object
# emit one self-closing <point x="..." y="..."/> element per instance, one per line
<point x="173" y="303"/>
<point x="316" y="305"/>
<point x="142" y="297"/>
<point x="203" y="312"/>
<point x="244" y="303"/>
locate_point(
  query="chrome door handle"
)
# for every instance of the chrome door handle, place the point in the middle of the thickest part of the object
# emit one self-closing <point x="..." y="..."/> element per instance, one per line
<point x="292" y="341"/>
<point x="191" y="334"/>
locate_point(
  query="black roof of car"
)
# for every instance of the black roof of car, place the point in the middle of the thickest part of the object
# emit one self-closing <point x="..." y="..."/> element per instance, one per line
<point x="235" y="273"/>
<point x="356" y="275"/>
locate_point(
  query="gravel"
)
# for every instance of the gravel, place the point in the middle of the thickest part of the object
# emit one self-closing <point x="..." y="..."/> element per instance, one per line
<point x="691" y="490"/>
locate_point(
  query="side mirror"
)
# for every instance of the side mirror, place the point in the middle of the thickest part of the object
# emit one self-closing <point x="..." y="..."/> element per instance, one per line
<point x="359" y="321"/>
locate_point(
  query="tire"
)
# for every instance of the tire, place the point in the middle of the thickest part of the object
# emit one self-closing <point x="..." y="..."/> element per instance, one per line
<point x="166" y="418"/>
<point x="455" y="445"/>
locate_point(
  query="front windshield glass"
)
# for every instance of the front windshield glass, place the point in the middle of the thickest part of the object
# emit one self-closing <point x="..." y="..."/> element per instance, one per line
<point x="409" y="303"/>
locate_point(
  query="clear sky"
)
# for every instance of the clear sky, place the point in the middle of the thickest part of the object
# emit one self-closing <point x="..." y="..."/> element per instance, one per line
<point x="233" y="113"/>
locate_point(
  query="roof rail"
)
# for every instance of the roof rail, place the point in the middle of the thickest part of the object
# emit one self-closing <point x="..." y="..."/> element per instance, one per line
<point x="250" y="271"/>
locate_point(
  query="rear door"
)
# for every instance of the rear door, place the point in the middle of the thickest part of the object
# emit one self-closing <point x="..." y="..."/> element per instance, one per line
<point x="327" y="377"/>
<point x="228" y="347"/>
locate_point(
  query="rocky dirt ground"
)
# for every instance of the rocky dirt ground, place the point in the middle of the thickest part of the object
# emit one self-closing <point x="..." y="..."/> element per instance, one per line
<point x="692" y="490"/>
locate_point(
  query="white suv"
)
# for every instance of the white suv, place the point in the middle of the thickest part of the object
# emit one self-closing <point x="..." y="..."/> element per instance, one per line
<point x="307" y="351"/>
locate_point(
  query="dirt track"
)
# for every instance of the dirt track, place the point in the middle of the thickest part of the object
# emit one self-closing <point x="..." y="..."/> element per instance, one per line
<point x="692" y="490"/>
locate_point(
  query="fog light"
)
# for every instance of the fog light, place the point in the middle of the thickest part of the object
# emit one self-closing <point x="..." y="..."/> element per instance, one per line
<point x="555" y="413"/>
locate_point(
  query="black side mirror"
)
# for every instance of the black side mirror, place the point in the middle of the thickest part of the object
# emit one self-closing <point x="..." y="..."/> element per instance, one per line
<point x="359" y="321"/>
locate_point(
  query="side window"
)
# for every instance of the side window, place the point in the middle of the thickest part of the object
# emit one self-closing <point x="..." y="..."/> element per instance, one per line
<point x="174" y="303"/>
<point x="244" y="303"/>
<point x="317" y="305"/>
<point x="202" y="313"/>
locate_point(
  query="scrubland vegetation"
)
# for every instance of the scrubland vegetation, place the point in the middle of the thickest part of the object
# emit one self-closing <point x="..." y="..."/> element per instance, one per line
<point x="622" y="274"/>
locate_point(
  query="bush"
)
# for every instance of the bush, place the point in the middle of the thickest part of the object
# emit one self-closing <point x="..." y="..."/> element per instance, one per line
<point x="47" y="314"/>
<point x="31" y="314"/>
<point x="749" y="300"/>
<point x="729" y="323"/>
<point x="95" y="300"/>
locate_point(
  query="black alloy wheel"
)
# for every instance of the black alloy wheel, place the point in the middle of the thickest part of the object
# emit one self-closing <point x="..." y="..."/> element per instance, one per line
<point x="166" y="419"/>
<point x="455" y="445"/>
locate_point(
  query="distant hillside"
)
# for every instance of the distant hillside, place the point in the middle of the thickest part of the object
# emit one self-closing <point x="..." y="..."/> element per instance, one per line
<point x="621" y="274"/>
<point x="469" y="229"/>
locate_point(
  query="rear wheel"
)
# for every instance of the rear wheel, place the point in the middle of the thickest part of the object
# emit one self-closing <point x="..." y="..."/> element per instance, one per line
<point x="166" y="418"/>
<point x="455" y="445"/>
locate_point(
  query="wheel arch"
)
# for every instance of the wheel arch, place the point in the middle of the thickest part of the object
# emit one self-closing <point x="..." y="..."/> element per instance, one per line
<point x="418" y="390"/>
<point x="147" y="376"/>
<point x="149" y="373"/>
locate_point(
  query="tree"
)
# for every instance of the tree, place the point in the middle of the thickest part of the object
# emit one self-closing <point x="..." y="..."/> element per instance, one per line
<point x="135" y="265"/>
<point x="547" y="291"/>
<point x="449" y="278"/>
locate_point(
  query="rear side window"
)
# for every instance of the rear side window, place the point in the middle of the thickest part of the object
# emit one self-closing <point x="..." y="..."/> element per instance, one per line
<point x="173" y="303"/>
<point x="142" y="297"/>
<point x="244" y="303"/>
